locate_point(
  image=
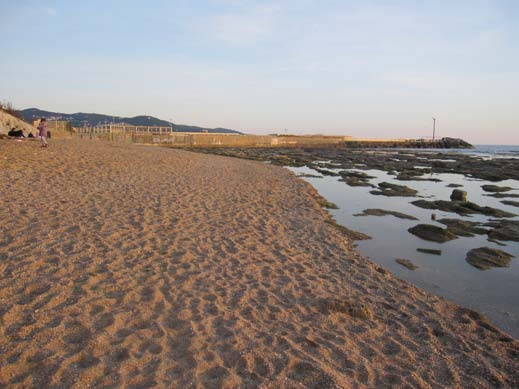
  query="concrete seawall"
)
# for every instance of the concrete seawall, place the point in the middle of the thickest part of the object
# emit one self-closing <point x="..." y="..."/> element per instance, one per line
<point x="204" y="140"/>
<point x="220" y="140"/>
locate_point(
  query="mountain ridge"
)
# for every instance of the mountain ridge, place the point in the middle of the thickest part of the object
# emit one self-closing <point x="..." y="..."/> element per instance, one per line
<point x="81" y="119"/>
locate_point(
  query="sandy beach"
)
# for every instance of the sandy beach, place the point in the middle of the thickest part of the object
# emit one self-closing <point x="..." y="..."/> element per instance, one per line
<point x="134" y="266"/>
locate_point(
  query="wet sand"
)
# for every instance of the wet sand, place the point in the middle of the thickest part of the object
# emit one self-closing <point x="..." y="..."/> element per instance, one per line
<point x="139" y="266"/>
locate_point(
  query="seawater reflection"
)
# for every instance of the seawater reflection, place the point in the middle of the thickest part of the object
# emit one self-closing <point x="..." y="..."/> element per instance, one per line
<point x="493" y="292"/>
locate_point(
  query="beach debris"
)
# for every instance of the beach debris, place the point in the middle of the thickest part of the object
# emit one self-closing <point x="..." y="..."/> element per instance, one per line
<point x="485" y="258"/>
<point x="463" y="227"/>
<point x="432" y="233"/>
<point x="430" y="251"/>
<point x="461" y="208"/>
<point x="353" y="308"/>
<point x="383" y="212"/>
<point x="495" y="188"/>
<point x="511" y="203"/>
<point x="406" y="263"/>
<point x="504" y="230"/>
<point x="388" y="189"/>
<point x="353" y="235"/>
<point x="459" y="195"/>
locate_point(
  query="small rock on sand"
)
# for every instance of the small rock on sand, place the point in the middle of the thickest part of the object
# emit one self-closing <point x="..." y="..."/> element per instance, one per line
<point x="432" y="233"/>
<point x="406" y="263"/>
<point x="485" y="258"/>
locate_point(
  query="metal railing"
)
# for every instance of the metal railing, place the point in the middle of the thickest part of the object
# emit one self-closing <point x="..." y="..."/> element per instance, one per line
<point x="125" y="129"/>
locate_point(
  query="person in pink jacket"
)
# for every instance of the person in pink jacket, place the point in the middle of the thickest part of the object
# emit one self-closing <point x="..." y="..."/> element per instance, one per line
<point x="42" y="130"/>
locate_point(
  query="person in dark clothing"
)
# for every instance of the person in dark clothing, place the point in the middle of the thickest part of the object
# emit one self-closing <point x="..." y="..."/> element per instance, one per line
<point x="16" y="133"/>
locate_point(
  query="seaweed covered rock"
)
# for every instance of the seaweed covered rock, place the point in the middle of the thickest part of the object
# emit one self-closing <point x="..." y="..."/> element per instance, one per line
<point x="388" y="189"/>
<point x="461" y="208"/>
<point x="432" y="233"/>
<point x="505" y="230"/>
<point x="406" y="263"/>
<point x="383" y="212"/>
<point x="495" y="188"/>
<point x="485" y="258"/>
<point x="463" y="227"/>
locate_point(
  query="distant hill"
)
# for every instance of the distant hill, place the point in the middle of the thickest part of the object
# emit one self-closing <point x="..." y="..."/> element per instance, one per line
<point x="81" y="119"/>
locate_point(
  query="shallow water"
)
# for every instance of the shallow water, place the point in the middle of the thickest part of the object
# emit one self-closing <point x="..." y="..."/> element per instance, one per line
<point x="493" y="292"/>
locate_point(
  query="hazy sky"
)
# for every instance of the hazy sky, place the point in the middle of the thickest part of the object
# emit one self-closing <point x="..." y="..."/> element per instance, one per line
<point x="363" y="68"/>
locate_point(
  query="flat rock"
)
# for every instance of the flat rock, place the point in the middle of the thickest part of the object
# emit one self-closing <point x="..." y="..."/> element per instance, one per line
<point x="454" y="186"/>
<point x="432" y="233"/>
<point x="353" y="235"/>
<point x="485" y="258"/>
<point x="406" y="263"/>
<point x="430" y="251"/>
<point x="504" y="195"/>
<point x="463" y="227"/>
<point x="504" y="230"/>
<point x="388" y="189"/>
<point x="383" y="212"/>
<point x="495" y="188"/>
<point x="510" y="202"/>
<point x="462" y="208"/>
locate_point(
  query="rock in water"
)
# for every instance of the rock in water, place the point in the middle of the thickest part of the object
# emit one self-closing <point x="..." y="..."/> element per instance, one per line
<point x="406" y="263"/>
<point x="459" y="195"/>
<point x="463" y="227"/>
<point x="432" y="233"/>
<point x="495" y="188"/>
<point x="485" y="258"/>
<point x="430" y="251"/>
<point x="383" y="212"/>
<point x="388" y="189"/>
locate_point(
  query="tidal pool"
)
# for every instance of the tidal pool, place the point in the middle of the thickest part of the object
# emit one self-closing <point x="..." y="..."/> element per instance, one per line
<point x="493" y="292"/>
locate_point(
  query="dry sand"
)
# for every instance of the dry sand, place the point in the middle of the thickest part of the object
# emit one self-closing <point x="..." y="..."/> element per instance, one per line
<point x="138" y="266"/>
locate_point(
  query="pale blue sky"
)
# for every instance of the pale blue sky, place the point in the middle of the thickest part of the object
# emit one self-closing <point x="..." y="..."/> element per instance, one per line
<point x="364" y="68"/>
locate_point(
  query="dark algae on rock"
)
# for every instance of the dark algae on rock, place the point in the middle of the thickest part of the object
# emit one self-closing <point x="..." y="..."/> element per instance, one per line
<point x="485" y="258"/>
<point x="432" y="233"/>
<point x="429" y="251"/>
<point x="383" y="212"/>
<point x="406" y="263"/>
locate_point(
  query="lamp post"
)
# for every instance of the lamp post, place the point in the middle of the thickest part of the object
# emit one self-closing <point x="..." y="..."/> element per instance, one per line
<point x="434" y="128"/>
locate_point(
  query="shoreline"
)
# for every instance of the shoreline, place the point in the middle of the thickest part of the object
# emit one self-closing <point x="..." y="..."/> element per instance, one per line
<point x="209" y="270"/>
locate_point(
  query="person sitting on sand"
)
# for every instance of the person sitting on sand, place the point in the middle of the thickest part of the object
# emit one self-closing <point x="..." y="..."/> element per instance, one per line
<point x="30" y="135"/>
<point x="42" y="128"/>
<point x="16" y="133"/>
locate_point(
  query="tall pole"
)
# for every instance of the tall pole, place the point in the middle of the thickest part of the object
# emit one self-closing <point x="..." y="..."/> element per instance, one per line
<point x="434" y="127"/>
